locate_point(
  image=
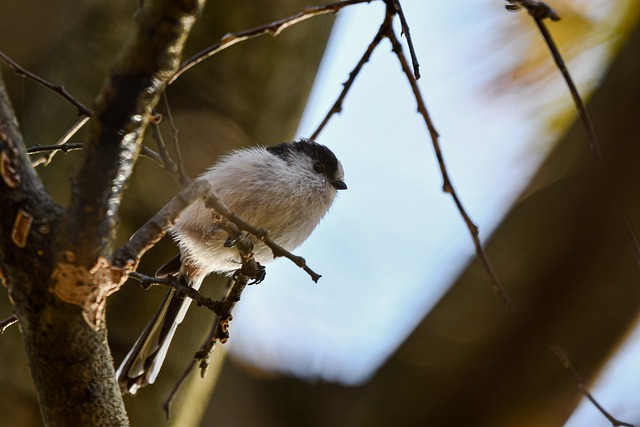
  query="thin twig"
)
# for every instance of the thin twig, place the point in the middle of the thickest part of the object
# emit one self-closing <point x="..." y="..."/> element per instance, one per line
<point x="181" y="290"/>
<point x="273" y="28"/>
<point x="565" y="360"/>
<point x="346" y="86"/>
<point x="167" y="163"/>
<point x="45" y="160"/>
<point x="4" y="324"/>
<point x="60" y="90"/>
<point x="212" y="201"/>
<point x="447" y="184"/>
<point x="218" y="334"/>
<point x="155" y="228"/>
<point x="540" y="11"/>
<point x="183" y="178"/>
<point x="65" y="148"/>
<point x="166" y="406"/>
<point x="407" y="34"/>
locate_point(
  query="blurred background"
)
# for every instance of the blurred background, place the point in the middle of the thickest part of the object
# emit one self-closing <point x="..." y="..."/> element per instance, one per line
<point x="403" y="328"/>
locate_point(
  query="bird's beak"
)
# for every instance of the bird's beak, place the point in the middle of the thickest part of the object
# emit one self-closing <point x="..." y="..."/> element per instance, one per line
<point x="339" y="185"/>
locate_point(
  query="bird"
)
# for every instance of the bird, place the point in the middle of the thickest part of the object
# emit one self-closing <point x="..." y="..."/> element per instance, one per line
<point x="285" y="188"/>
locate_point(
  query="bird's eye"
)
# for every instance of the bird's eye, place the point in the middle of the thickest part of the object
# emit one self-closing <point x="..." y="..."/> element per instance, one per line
<point x="318" y="167"/>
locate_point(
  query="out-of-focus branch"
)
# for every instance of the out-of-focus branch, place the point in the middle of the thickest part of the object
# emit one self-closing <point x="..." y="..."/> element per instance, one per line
<point x="45" y="160"/>
<point x="565" y="360"/>
<point x="4" y="324"/>
<point x="60" y="90"/>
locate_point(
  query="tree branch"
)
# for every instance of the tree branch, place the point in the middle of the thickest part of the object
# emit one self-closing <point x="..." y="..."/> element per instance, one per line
<point x="60" y="90"/>
<point x="45" y="160"/>
<point x="346" y="86"/>
<point x="407" y="34"/>
<point x="447" y="186"/>
<point x="4" y="324"/>
<point x="55" y="261"/>
<point x="122" y="113"/>
<point x="273" y="28"/>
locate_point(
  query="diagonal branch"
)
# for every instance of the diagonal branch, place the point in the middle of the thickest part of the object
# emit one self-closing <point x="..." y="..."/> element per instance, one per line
<point x="156" y="227"/>
<point x="123" y="111"/>
<point x="565" y="360"/>
<point x="346" y="86"/>
<point x="407" y="34"/>
<point x="447" y="186"/>
<point x="273" y="28"/>
<point x="60" y="90"/>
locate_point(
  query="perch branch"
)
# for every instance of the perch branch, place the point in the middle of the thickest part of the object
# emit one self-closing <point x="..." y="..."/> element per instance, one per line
<point x="181" y="290"/>
<point x="212" y="201"/>
<point x="218" y="334"/>
<point x="154" y="229"/>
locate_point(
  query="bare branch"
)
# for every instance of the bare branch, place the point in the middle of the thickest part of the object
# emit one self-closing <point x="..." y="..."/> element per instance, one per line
<point x="183" y="177"/>
<point x="45" y="160"/>
<point x="346" y="86"/>
<point x="65" y="148"/>
<point x="537" y="9"/>
<point x="212" y="201"/>
<point x="123" y="111"/>
<point x="219" y="334"/>
<point x="60" y="90"/>
<point x="166" y="162"/>
<point x="447" y="186"/>
<point x="273" y="28"/>
<point x="407" y="34"/>
<point x="4" y="324"/>
<point x="540" y="11"/>
<point x="154" y="229"/>
<point x="181" y="290"/>
<point x="565" y="360"/>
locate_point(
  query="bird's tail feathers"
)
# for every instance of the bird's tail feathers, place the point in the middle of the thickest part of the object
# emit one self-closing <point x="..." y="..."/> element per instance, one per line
<point x="142" y="365"/>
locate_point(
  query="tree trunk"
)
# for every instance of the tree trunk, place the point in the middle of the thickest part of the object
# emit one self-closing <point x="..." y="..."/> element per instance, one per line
<point x="55" y="261"/>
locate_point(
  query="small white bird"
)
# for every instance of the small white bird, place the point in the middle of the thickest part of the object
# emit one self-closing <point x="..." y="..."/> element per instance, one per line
<point x="286" y="189"/>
